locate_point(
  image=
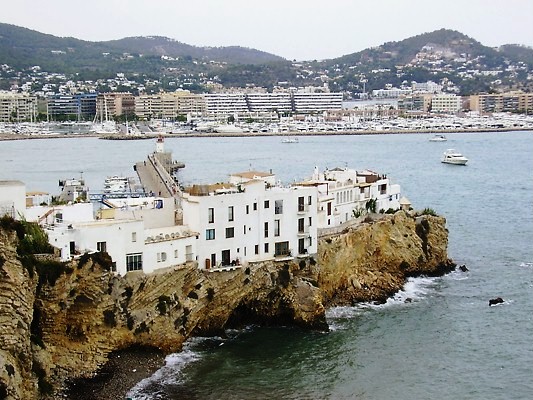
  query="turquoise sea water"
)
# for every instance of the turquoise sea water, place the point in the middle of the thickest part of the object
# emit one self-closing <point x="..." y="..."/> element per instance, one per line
<point x="446" y="344"/>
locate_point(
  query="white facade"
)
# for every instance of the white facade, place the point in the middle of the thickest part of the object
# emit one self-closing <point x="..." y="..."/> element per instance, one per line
<point x="446" y="103"/>
<point x="65" y="213"/>
<point x="254" y="222"/>
<point x="13" y="199"/>
<point x="341" y="191"/>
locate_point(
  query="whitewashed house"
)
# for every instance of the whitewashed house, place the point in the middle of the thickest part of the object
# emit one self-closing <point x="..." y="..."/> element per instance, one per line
<point x="250" y="220"/>
<point x="12" y="199"/>
<point x="341" y="191"/>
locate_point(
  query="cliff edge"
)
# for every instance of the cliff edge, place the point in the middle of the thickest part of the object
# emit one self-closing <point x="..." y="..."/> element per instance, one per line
<point x="62" y="321"/>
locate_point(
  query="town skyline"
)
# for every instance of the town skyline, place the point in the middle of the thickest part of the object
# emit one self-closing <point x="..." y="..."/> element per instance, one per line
<point x="317" y="30"/>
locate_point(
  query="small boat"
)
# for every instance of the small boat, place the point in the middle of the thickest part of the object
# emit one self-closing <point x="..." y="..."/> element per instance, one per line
<point x="438" y="138"/>
<point x="289" y="140"/>
<point x="452" y="156"/>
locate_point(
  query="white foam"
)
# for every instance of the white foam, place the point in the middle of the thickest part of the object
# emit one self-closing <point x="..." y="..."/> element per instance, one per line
<point x="170" y="373"/>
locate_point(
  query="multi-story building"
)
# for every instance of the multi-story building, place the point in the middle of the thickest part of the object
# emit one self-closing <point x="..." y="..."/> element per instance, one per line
<point x="223" y="105"/>
<point x="109" y="105"/>
<point x="250" y="219"/>
<point x="305" y="103"/>
<point x="345" y="193"/>
<point x="502" y="102"/>
<point x="169" y="105"/>
<point x="415" y="102"/>
<point x="79" y="106"/>
<point x="279" y="102"/>
<point x="446" y="103"/>
<point x="17" y="107"/>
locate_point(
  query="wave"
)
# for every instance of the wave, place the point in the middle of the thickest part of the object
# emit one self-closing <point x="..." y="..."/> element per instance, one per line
<point x="415" y="289"/>
<point x="170" y="374"/>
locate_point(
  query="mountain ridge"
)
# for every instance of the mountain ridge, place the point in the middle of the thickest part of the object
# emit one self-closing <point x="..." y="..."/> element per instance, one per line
<point x="462" y="64"/>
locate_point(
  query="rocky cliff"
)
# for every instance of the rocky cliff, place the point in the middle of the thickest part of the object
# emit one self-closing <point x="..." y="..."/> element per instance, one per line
<point x="60" y="321"/>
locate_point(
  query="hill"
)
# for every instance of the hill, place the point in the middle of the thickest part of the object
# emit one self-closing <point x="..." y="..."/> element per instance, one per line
<point x="23" y="48"/>
<point x="458" y="63"/>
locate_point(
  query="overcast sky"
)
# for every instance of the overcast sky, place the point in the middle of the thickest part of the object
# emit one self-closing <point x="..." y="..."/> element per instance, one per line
<point x="294" y="29"/>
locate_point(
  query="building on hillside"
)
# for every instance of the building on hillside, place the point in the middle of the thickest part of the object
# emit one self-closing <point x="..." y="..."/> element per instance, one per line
<point x="76" y="106"/>
<point x="502" y="102"/>
<point x="390" y="93"/>
<point x="250" y="220"/>
<point x="446" y="103"/>
<point x="17" y="107"/>
<point x="426" y="87"/>
<point x="345" y="193"/>
<point x="114" y="104"/>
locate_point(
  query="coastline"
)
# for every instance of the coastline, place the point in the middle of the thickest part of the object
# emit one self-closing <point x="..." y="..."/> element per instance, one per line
<point x="17" y="136"/>
<point x="123" y="370"/>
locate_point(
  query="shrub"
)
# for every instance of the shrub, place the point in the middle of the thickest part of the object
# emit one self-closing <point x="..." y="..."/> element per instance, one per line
<point x="428" y="211"/>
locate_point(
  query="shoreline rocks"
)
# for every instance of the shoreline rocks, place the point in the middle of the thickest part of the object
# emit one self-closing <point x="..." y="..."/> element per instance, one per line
<point x="81" y="319"/>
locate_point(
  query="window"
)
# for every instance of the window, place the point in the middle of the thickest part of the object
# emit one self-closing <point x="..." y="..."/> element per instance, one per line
<point x="209" y="234"/>
<point x="301" y="246"/>
<point x="301" y="206"/>
<point x="282" y="249"/>
<point x="134" y="236"/>
<point x="276" y="227"/>
<point x="256" y="249"/>
<point x="230" y="232"/>
<point x="301" y="225"/>
<point x="230" y="213"/>
<point x="266" y="248"/>
<point x="310" y="221"/>
<point x="266" y="229"/>
<point x="101" y="247"/>
<point x="134" y="262"/>
<point x="210" y="215"/>
<point x="309" y="200"/>
<point x="175" y="253"/>
<point x="247" y="209"/>
<point x="244" y="230"/>
<point x="267" y="204"/>
<point x="161" y="257"/>
<point x="278" y="207"/>
<point x="255" y="206"/>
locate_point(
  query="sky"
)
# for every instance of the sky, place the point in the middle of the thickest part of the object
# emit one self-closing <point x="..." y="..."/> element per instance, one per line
<point x="293" y="29"/>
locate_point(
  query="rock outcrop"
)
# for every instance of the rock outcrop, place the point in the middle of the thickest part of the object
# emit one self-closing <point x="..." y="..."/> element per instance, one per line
<point x="65" y="326"/>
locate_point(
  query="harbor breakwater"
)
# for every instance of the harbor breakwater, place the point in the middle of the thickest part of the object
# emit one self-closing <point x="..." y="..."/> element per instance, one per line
<point x="68" y="321"/>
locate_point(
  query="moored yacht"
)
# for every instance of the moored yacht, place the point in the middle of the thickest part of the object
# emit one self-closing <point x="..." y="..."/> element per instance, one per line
<point x="452" y="156"/>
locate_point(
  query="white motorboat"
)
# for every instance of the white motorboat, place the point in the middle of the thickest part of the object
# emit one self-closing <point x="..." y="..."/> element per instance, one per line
<point x="289" y="140"/>
<point x="438" y="138"/>
<point x="452" y="156"/>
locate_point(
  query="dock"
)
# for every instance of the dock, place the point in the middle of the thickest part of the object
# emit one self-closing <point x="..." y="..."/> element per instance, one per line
<point x="156" y="173"/>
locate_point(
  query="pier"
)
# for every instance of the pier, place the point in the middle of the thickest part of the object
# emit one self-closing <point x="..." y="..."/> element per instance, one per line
<point x="156" y="173"/>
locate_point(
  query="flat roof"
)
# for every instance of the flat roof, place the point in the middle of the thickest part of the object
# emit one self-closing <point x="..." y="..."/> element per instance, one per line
<point x="252" y="174"/>
<point x="11" y="183"/>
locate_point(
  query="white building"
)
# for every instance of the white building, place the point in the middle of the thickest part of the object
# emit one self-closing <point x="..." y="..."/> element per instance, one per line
<point x="343" y="191"/>
<point x="13" y="199"/>
<point x="446" y="103"/>
<point x="251" y="220"/>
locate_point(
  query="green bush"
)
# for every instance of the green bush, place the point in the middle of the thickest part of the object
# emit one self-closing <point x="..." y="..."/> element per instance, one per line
<point x="428" y="211"/>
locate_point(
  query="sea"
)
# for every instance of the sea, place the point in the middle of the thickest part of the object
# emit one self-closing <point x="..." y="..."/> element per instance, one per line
<point x="445" y="344"/>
